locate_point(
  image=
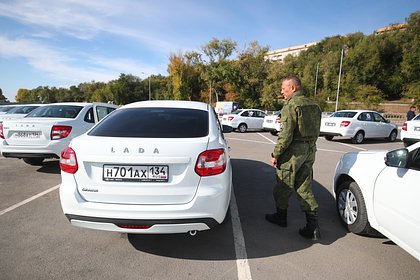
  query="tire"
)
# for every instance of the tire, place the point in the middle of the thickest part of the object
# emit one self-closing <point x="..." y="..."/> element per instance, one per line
<point x="242" y="128"/>
<point x="33" y="161"/>
<point x="274" y="132"/>
<point x="328" y="137"/>
<point x="359" y="137"/>
<point x="351" y="208"/>
<point x="392" y="136"/>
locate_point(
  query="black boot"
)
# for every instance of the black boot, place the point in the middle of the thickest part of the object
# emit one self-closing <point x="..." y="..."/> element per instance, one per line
<point x="278" y="218"/>
<point x="311" y="230"/>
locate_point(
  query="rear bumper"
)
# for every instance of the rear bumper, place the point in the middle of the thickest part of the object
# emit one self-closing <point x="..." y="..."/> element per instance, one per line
<point x="207" y="209"/>
<point x="52" y="150"/>
<point x="28" y="155"/>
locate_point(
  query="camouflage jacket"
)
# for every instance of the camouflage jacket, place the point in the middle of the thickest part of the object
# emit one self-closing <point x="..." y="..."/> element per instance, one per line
<point x="300" y="122"/>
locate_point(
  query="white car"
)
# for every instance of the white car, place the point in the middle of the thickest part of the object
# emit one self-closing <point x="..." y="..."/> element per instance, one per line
<point x="358" y="125"/>
<point x="272" y="123"/>
<point x="149" y="167"/>
<point x="19" y="111"/>
<point x="380" y="190"/>
<point x="47" y="130"/>
<point x="245" y="119"/>
<point x="410" y="132"/>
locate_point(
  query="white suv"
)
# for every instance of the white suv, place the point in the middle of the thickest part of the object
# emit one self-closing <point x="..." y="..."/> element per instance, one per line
<point x="149" y="167"/>
<point x="410" y="132"/>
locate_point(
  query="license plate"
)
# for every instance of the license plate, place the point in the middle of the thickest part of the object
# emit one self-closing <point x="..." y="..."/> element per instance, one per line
<point x="269" y="121"/>
<point x="329" y="124"/>
<point x="136" y="173"/>
<point x="28" y="134"/>
<point x="416" y="128"/>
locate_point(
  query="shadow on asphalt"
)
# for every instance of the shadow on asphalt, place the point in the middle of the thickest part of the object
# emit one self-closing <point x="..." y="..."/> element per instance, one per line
<point x="50" y="167"/>
<point x="253" y="182"/>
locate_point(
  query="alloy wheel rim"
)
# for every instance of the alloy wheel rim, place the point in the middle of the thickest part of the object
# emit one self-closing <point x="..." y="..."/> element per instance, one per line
<point x="347" y="206"/>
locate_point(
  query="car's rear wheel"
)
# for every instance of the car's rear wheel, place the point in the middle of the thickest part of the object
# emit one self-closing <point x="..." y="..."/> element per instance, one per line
<point x="274" y="132"/>
<point x="242" y="128"/>
<point x="359" y="137"/>
<point x="328" y="137"/>
<point x="351" y="208"/>
<point x="392" y="136"/>
<point x="33" y="161"/>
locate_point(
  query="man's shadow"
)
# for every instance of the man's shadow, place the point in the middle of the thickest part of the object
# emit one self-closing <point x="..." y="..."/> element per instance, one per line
<point x="253" y="184"/>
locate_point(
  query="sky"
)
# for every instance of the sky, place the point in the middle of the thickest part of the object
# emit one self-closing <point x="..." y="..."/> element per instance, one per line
<point x="68" y="42"/>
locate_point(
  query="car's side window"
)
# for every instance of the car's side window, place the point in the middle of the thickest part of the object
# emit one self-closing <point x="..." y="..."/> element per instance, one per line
<point x="378" y="118"/>
<point x="245" y="114"/>
<point x="89" y="116"/>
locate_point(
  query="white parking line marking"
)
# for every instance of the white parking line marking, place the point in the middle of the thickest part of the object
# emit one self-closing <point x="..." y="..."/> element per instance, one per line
<point x="266" y="138"/>
<point x="28" y="200"/>
<point x="245" y="140"/>
<point x="351" y="146"/>
<point x="332" y="151"/>
<point x="244" y="272"/>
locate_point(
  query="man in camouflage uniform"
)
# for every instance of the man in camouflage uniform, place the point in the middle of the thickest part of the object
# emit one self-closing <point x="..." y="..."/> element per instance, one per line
<point x="294" y="155"/>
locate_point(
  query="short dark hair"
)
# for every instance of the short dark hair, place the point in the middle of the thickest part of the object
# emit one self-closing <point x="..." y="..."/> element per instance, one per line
<point x="413" y="107"/>
<point x="296" y="81"/>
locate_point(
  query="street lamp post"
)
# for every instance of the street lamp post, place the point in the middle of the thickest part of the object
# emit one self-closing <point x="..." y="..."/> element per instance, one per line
<point x="150" y="91"/>
<point x="339" y="77"/>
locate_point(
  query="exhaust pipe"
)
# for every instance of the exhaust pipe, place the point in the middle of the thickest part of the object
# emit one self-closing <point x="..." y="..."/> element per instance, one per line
<point x="192" y="232"/>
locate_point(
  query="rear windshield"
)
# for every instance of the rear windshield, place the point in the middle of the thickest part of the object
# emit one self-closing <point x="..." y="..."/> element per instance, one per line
<point x="154" y="123"/>
<point x="56" y="111"/>
<point x="343" y="114"/>
<point x="22" y="109"/>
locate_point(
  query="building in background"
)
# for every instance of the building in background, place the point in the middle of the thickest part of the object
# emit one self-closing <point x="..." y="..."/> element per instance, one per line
<point x="280" y="54"/>
<point x="392" y="27"/>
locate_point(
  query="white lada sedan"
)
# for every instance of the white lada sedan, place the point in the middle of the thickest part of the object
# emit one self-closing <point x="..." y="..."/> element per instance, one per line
<point x="380" y="190"/>
<point x="149" y="167"/>
<point x="47" y="130"/>
<point x="358" y="125"/>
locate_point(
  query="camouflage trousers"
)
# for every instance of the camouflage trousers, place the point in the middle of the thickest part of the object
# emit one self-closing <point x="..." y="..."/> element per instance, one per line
<point x="294" y="174"/>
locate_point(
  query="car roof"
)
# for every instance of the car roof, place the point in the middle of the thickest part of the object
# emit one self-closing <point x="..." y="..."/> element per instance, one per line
<point x="168" y="104"/>
<point x="71" y="103"/>
<point x="357" y="111"/>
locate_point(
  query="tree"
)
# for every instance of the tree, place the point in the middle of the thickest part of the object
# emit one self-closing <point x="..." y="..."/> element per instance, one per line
<point x="2" y="97"/>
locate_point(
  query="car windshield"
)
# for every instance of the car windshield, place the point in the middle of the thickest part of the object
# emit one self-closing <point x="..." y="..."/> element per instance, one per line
<point x="154" y="123"/>
<point x="22" y="109"/>
<point x="56" y="111"/>
<point x="343" y="114"/>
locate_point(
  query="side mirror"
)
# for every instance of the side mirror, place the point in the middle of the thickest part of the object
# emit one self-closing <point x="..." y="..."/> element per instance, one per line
<point x="227" y="129"/>
<point x="397" y="158"/>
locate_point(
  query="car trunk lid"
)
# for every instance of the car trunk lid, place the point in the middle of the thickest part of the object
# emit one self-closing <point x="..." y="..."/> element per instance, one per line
<point x="119" y="170"/>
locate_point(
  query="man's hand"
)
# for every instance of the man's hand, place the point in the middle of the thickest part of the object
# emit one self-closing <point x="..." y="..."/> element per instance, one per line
<point x="273" y="161"/>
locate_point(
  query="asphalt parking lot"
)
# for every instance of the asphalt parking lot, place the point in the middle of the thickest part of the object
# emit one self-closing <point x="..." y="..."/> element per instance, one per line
<point x="37" y="241"/>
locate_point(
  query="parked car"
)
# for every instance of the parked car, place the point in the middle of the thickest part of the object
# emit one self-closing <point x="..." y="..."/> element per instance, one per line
<point x="245" y="119"/>
<point x="47" y="130"/>
<point x="19" y="111"/>
<point x="410" y="132"/>
<point x="379" y="190"/>
<point x="272" y="123"/>
<point x="150" y="167"/>
<point x="5" y="108"/>
<point x="358" y="125"/>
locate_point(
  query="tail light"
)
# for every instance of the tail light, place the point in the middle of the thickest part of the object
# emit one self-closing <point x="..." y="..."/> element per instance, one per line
<point x="404" y="127"/>
<point x="230" y="118"/>
<point x="1" y="130"/>
<point x="60" y="131"/>
<point x="68" y="161"/>
<point x="211" y="162"/>
<point x="345" y="123"/>
<point x="278" y="120"/>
